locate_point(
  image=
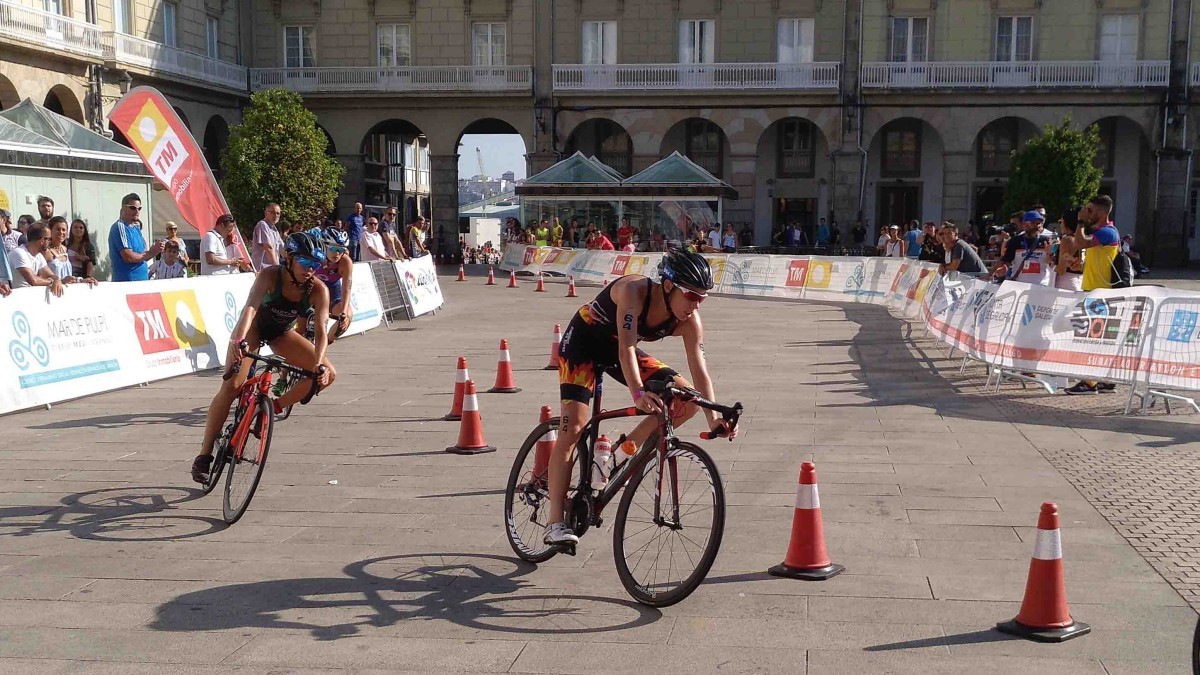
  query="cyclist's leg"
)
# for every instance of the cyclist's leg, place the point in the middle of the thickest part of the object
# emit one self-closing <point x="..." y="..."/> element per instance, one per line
<point x="577" y="383"/>
<point x="218" y="410"/>
<point x="293" y="348"/>
<point x="336" y="307"/>
<point x="652" y="369"/>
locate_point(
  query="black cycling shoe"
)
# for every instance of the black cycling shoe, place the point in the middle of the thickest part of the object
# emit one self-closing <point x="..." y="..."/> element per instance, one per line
<point x="201" y="466"/>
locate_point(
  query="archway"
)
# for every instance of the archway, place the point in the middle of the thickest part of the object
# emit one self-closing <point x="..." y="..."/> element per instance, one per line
<point x="60" y="99"/>
<point x="905" y="174"/>
<point x="216" y="135"/>
<point x="492" y="156"/>
<point x="1125" y="158"/>
<point x="700" y="140"/>
<point x="394" y="156"/>
<point x="182" y="117"/>
<point x="606" y="140"/>
<point x="8" y="93"/>
<point x="330" y="148"/>
<point x="791" y="177"/>
<point x="992" y="154"/>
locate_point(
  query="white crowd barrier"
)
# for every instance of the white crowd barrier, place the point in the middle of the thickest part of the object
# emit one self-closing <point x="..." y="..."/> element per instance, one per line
<point x="114" y="335"/>
<point x="1144" y="336"/>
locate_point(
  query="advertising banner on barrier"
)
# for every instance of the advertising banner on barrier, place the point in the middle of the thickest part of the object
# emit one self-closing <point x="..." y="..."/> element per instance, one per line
<point x="419" y="280"/>
<point x="364" y="300"/>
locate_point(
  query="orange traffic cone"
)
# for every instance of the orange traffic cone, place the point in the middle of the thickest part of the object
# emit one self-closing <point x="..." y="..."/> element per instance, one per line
<point x="460" y="382"/>
<point x="512" y="279"/>
<point x="571" y="287"/>
<point x="462" y="273"/>
<point x="553" y="365"/>
<point x="470" y="432"/>
<point x="544" y="446"/>
<point x="541" y="287"/>
<point x="491" y="277"/>
<point x="1044" y="615"/>
<point x="505" y="384"/>
<point x="806" y="555"/>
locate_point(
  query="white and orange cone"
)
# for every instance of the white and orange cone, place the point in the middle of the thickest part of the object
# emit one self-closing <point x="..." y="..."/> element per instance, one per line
<point x="470" y="432"/>
<point x="1044" y="615"/>
<point x="491" y="277"/>
<point x="553" y="365"/>
<point x="505" y="383"/>
<point x="512" y="279"/>
<point x="462" y="273"/>
<point x="571" y="287"/>
<point x="806" y="555"/>
<point x="541" y="287"/>
<point x="544" y="446"/>
<point x="460" y="383"/>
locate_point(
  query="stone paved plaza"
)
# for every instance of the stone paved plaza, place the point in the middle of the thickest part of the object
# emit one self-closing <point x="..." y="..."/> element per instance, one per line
<point x="369" y="549"/>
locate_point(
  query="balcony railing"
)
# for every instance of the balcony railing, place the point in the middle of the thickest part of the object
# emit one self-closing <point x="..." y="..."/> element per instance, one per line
<point x="695" y="76"/>
<point x="150" y="55"/>
<point x="52" y="31"/>
<point x="395" y="79"/>
<point x="1015" y="74"/>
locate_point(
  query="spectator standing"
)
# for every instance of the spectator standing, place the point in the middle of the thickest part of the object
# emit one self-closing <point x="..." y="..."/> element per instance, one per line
<point x="931" y="247"/>
<point x="714" y="236"/>
<point x="5" y="272"/>
<point x="173" y="235"/>
<point x="127" y="245"/>
<point x="267" y="249"/>
<point x="55" y="252"/>
<point x="959" y="255"/>
<point x="29" y="267"/>
<point x="823" y="234"/>
<point x="170" y="265"/>
<point x="10" y="235"/>
<point x="881" y="243"/>
<point x="373" y="247"/>
<point x="912" y="240"/>
<point x="45" y="207"/>
<point x="80" y="250"/>
<point x="729" y="239"/>
<point x="355" y="224"/>
<point x="858" y="234"/>
<point x="746" y="235"/>
<point x="1102" y="247"/>
<point x="624" y="233"/>
<point x="416" y="238"/>
<point x="573" y="233"/>
<point x="556" y="233"/>
<point x="1033" y="246"/>
<point x="541" y="234"/>
<point x="895" y="246"/>
<point x="389" y="229"/>
<point x="215" y="257"/>
<point x="1068" y="261"/>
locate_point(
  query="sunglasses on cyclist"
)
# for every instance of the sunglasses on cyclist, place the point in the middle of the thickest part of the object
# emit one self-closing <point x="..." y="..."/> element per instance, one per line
<point x="695" y="296"/>
<point x="337" y="249"/>
<point x="308" y="263"/>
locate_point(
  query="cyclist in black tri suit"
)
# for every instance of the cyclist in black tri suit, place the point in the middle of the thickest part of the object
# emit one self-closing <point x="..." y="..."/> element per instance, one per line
<point x="603" y="336"/>
<point x="281" y="293"/>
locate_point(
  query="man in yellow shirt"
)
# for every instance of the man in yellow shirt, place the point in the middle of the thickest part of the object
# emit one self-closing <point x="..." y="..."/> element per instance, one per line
<point x="1100" y="251"/>
<point x="542" y="234"/>
<point x="556" y="233"/>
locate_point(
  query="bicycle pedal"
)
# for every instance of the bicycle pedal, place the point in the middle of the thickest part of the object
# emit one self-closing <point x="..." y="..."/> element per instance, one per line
<point x="569" y="549"/>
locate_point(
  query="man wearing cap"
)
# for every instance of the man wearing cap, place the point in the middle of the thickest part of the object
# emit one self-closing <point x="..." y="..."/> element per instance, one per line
<point x="1027" y="257"/>
<point x="127" y="244"/>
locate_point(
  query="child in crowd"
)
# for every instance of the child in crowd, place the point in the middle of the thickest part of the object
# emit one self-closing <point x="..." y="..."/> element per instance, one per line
<point x="169" y="266"/>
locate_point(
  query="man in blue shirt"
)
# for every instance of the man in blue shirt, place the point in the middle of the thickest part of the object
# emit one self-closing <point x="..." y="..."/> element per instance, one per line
<point x="127" y="245"/>
<point x="355" y="223"/>
<point x="823" y="234"/>
<point x="912" y="240"/>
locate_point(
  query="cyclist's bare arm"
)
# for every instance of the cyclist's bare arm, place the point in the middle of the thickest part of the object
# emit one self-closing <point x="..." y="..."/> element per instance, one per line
<point x="692" y="332"/>
<point x="319" y="298"/>
<point x="346" y="269"/>
<point x="258" y="291"/>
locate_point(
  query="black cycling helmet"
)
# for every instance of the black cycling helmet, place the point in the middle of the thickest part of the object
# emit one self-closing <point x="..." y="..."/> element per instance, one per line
<point x="305" y="245"/>
<point x="686" y="269"/>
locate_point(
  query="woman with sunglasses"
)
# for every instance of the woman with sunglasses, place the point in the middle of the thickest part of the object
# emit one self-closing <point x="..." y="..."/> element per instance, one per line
<point x="337" y="273"/>
<point x="173" y="235"/>
<point x="280" y="294"/>
<point x="604" y="335"/>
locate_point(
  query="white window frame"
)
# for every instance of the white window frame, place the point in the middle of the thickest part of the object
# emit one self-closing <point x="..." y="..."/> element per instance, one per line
<point x="305" y="34"/>
<point x="123" y="16"/>
<point x="1129" y="24"/>
<point x="171" y="24"/>
<point x="486" y="33"/>
<point x="598" y="43"/>
<point x="909" y="32"/>
<point x="1008" y="47"/>
<point x="89" y="12"/>
<point x="53" y="7"/>
<point x="394" y="36"/>
<point x="212" y="37"/>
<point x="795" y="39"/>
<point x="697" y="41"/>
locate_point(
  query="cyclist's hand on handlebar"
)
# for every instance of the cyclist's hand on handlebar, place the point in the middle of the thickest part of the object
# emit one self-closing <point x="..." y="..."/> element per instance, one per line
<point x="720" y="429"/>
<point x="648" y="402"/>
<point x="323" y="375"/>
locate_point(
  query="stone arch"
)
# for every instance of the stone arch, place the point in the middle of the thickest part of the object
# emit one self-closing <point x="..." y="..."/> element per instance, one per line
<point x="8" y="93"/>
<point x="62" y="100"/>
<point x="991" y="161"/>
<point x="701" y="140"/>
<point x="606" y="139"/>
<point x="216" y="135"/>
<point x="792" y="170"/>
<point x="1127" y="159"/>
<point x="330" y="147"/>
<point x="382" y="159"/>
<point x="182" y="117"/>
<point x="905" y="172"/>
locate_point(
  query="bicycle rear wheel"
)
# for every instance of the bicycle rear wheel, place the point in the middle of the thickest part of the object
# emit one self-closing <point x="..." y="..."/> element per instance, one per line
<point x="246" y="462"/>
<point x="661" y="562"/>
<point x="527" y="499"/>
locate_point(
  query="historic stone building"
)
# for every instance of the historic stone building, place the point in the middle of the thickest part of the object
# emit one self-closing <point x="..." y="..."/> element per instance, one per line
<point x="888" y="110"/>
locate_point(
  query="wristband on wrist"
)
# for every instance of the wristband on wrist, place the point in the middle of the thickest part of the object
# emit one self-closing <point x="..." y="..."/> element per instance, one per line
<point x="638" y="394"/>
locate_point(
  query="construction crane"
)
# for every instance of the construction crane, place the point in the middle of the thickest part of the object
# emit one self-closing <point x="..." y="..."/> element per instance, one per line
<point x="479" y="158"/>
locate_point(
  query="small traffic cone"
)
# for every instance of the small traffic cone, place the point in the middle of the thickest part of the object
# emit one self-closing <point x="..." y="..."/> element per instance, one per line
<point x="571" y="287"/>
<point x="460" y="381"/>
<point x="541" y="287"/>
<point x="462" y="273"/>
<point x="605" y="281"/>
<point x="505" y="384"/>
<point x="806" y="555"/>
<point x="553" y="365"/>
<point x="512" y="279"/>
<point x="470" y="432"/>
<point x="491" y="277"/>
<point x="544" y="446"/>
<point x="1044" y="615"/>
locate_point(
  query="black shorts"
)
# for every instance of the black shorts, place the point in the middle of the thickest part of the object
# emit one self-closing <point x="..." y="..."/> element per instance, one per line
<point x="584" y="350"/>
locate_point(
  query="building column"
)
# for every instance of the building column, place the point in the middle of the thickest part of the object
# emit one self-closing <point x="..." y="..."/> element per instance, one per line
<point x="1170" y="241"/>
<point x="956" y="187"/>
<point x="540" y="161"/>
<point x="741" y="177"/>
<point x="443" y="173"/>
<point x="848" y="174"/>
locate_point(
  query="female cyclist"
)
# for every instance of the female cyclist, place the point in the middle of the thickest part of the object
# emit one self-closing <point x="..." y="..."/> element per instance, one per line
<point x="280" y="294"/>
<point x="337" y="273"/>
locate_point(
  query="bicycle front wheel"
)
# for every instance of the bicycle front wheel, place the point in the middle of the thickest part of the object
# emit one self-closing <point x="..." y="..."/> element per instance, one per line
<point x="662" y="559"/>
<point x="246" y="461"/>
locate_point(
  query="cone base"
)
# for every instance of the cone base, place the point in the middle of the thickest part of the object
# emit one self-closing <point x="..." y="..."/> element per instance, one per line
<point x="1076" y="629"/>
<point x="451" y="417"/>
<point x="811" y="574"/>
<point x="455" y="450"/>
<point x="503" y="390"/>
<point x="490" y="283"/>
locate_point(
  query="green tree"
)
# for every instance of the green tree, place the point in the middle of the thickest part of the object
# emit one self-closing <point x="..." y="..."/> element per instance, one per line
<point x="1056" y="168"/>
<point x="277" y="154"/>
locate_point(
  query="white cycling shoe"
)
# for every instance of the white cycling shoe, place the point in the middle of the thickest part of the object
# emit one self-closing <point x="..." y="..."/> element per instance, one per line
<point x="559" y="534"/>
